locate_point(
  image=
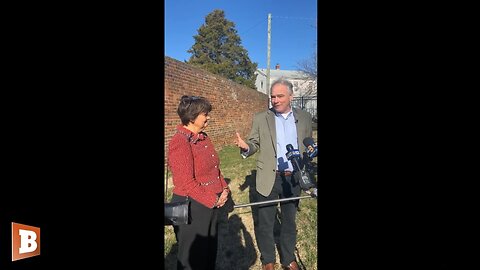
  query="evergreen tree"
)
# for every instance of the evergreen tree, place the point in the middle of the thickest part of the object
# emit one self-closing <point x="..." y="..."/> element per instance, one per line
<point x="218" y="49"/>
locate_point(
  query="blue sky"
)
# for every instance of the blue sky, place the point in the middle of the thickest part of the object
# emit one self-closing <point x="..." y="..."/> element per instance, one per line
<point x="293" y="28"/>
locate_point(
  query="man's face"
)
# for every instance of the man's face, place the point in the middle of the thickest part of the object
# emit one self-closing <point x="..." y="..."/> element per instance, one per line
<point x="281" y="98"/>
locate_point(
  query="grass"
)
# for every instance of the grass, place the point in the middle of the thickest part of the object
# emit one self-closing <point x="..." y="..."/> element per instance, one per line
<point x="237" y="246"/>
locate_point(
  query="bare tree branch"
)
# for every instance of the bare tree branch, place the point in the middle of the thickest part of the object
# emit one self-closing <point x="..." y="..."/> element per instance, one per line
<point x="309" y="68"/>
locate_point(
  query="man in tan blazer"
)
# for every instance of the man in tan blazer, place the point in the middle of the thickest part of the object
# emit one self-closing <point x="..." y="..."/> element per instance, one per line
<point x="271" y="131"/>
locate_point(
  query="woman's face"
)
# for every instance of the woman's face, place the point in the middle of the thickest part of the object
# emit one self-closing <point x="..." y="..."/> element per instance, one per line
<point x="201" y="122"/>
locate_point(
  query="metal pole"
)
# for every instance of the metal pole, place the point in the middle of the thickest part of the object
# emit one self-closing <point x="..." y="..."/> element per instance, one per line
<point x="268" y="58"/>
<point x="272" y="201"/>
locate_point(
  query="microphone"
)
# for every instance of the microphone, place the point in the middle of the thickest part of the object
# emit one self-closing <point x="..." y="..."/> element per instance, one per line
<point x="311" y="147"/>
<point x="294" y="156"/>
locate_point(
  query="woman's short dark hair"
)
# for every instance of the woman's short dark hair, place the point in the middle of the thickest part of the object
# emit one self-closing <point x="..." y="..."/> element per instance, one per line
<point x="191" y="106"/>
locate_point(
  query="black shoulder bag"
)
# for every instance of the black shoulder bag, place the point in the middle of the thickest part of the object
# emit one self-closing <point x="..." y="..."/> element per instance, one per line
<point x="176" y="213"/>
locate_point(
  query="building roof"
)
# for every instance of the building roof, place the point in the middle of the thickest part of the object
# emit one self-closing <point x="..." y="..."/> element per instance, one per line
<point x="277" y="73"/>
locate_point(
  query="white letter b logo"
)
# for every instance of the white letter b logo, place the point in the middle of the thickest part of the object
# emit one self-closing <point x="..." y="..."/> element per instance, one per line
<point x="25" y="241"/>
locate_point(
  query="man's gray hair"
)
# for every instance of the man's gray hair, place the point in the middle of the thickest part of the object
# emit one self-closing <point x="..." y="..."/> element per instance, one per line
<point x="285" y="82"/>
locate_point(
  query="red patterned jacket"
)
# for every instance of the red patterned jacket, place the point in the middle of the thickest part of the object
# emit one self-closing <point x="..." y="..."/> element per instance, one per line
<point x="195" y="167"/>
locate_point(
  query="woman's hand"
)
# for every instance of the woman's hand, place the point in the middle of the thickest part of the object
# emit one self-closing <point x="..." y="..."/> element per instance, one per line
<point x="222" y="199"/>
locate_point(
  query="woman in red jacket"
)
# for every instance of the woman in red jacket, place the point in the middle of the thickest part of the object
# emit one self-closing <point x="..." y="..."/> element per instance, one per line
<point x="196" y="175"/>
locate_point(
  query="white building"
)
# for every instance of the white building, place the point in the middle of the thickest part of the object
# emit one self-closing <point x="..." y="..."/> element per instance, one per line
<point x="301" y="85"/>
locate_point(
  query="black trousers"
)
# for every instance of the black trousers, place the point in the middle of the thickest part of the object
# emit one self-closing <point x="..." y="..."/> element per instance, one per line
<point x="266" y="216"/>
<point x="197" y="241"/>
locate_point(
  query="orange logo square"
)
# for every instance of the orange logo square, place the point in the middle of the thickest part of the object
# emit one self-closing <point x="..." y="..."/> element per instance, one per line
<point x="25" y="241"/>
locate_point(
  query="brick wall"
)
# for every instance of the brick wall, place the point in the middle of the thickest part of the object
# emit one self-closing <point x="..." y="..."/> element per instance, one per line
<point x="233" y="104"/>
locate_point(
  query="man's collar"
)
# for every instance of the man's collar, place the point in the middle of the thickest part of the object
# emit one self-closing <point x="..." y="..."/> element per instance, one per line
<point x="283" y="114"/>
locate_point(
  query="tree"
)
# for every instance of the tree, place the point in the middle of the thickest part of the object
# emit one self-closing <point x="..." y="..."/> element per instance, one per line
<point x="218" y="49"/>
<point x="309" y="68"/>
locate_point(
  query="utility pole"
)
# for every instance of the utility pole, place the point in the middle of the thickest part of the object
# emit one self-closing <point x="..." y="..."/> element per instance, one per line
<point x="268" y="58"/>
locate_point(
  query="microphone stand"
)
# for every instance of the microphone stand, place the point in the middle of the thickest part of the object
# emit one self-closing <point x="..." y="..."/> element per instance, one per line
<point x="273" y="201"/>
<point x="312" y="194"/>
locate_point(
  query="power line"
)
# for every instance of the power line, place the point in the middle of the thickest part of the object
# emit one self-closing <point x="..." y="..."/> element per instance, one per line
<point x="295" y="18"/>
<point x="256" y="24"/>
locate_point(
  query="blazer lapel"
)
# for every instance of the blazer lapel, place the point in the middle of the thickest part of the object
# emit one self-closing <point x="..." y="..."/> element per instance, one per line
<point x="270" y="117"/>
<point x="298" y="125"/>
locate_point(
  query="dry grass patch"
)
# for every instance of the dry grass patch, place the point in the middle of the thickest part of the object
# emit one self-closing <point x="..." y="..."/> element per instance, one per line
<point x="237" y="245"/>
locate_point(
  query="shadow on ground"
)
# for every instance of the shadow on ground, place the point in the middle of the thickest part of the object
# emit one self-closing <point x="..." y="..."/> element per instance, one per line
<point x="171" y="258"/>
<point x="236" y="250"/>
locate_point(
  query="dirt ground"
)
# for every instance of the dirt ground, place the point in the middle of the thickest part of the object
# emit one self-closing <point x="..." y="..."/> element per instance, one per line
<point x="237" y="248"/>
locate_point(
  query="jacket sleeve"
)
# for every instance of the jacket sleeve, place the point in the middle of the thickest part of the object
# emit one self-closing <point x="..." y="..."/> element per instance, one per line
<point x="309" y="124"/>
<point x="181" y="162"/>
<point x="253" y="140"/>
<point x="224" y="183"/>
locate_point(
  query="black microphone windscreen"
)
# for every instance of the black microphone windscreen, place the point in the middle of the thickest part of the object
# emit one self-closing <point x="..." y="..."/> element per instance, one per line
<point x="308" y="141"/>
<point x="289" y="147"/>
